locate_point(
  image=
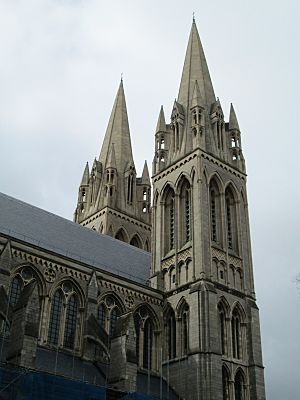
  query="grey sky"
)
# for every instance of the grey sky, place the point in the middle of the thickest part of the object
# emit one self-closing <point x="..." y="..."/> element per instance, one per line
<point x="60" y="66"/>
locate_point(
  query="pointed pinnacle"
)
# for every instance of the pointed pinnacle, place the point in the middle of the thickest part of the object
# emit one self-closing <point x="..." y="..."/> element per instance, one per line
<point x="233" y="122"/>
<point x="161" y="123"/>
<point x="6" y="256"/>
<point x="85" y="176"/>
<point x="145" y="174"/>
<point x="196" y="99"/>
<point x="111" y="161"/>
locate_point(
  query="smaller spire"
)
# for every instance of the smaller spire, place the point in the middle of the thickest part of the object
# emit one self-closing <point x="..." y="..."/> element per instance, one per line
<point x="145" y="175"/>
<point x="111" y="161"/>
<point x="161" y="123"/>
<point x="196" y="99"/>
<point x="85" y="176"/>
<point x="233" y="122"/>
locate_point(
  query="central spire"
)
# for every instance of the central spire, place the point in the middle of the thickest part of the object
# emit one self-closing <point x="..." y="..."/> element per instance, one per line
<point x="195" y="69"/>
<point x="117" y="134"/>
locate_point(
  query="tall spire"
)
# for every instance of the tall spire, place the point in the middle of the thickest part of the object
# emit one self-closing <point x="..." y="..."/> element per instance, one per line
<point x="118" y="133"/>
<point x="233" y="122"/>
<point x="195" y="69"/>
<point x="161" y="123"/>
<point x="85" y="176"/>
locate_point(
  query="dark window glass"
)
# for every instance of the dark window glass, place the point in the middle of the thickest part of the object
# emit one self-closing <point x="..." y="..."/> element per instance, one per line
<point x="115" y="313"/>
<point x="222" y="331"/>
<point x="187" y="215"/>
<point x="70" y="324"/>
<point x="171" y="326"/>
<point x="55" y="316"/>
<point x="101" y="315"/>
<point x="172" y="216"/>
<point x="213" y="216"/>
<point x="185" y="330"/>
<point x="225" y="384"/>
<point x="15" y="290"/>
<point x="229" y="223"/>
<point x="239" y="386"/>
<point x="147" y="344"/>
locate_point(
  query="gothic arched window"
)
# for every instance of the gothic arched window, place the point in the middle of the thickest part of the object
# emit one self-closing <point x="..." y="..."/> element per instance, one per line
<point x="185" y="211"/>
<point x="236" y="334"/>
<point x="171" y="335"/>
<point x="215" y="212"/>
<point x="130" y="188"/>
<point x="231" y="219"/>
<point x="169" y="220"/>
<point x="222" y="328"/>
<point x="144" y="337"/>
<point x="239" y="386"/>
<point x="225" y="383"/>
<point x="55" y="318"/>
<point x="15" y="290"/>
<point x="70" y="324"/>
<point x="184" y="329"/>
<point x="108" y="313"/>
<point x="63" y="322"/>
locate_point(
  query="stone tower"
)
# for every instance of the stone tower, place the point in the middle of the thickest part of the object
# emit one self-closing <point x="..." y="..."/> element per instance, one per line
<point x="111" y="198"/>
<point x="201" y="252"/>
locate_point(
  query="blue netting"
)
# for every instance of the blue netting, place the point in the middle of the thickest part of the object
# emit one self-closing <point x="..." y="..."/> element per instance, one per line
<point x="28" y="385"/>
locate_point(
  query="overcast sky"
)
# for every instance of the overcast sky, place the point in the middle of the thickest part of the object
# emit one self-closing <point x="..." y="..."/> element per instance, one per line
<point x="60" y="67"/>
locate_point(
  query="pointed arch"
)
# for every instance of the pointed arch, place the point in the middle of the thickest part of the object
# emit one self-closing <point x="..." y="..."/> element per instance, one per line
<point x="183" y="188"/>
<point x="183" y="311"/>
<point x="215" y="190"/>
<point x="170" y="332"/>
<point x="64" y="325"/>
<point x="239" y="385"/>
<point x="225" y="382"/>
<point x="155" y="198"/>
<point x="237" y="331"/>
<point x="231" y="199"/>
<point x="169" y="222"/>
<point x="136" y="241"/>
<point x="122" y="235"/>
<point x="223" y="311"/>
<point x="147" y="246"/>
<point x="146" y="322"/>
<point x="36" y="274"/>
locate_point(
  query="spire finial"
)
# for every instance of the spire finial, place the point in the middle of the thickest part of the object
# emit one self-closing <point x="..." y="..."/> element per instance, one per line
<point x="121" y="76"/>
<point x="193" y="16"/>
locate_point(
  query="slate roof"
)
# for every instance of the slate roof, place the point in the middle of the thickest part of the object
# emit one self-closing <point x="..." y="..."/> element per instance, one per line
<point x="48" y="231"/>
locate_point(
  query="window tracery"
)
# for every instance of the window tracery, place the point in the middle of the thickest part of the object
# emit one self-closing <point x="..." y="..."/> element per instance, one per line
<point x="108" y="313"/>
<point x="63" y="320"/>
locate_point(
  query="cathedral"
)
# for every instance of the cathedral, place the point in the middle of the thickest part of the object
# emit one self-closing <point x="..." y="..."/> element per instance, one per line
<point x="149" y="293"/>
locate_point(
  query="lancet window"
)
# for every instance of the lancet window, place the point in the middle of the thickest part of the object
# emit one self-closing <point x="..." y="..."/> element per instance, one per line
<point x="236" y="334"/>
<point x="171" y="335"/>
<point x="225" y="383"/>
<point x="239" y="386"/>
<point x="231" y="219"/>
<point x="185" y="211"/>
<point x="222" y="329"/>
<point x="169" y="220"/>
<point x="144" y="337"/>
<point x="63" y="320"/>
<point x="215" y="211"/>
<point x="184" y="319"/>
